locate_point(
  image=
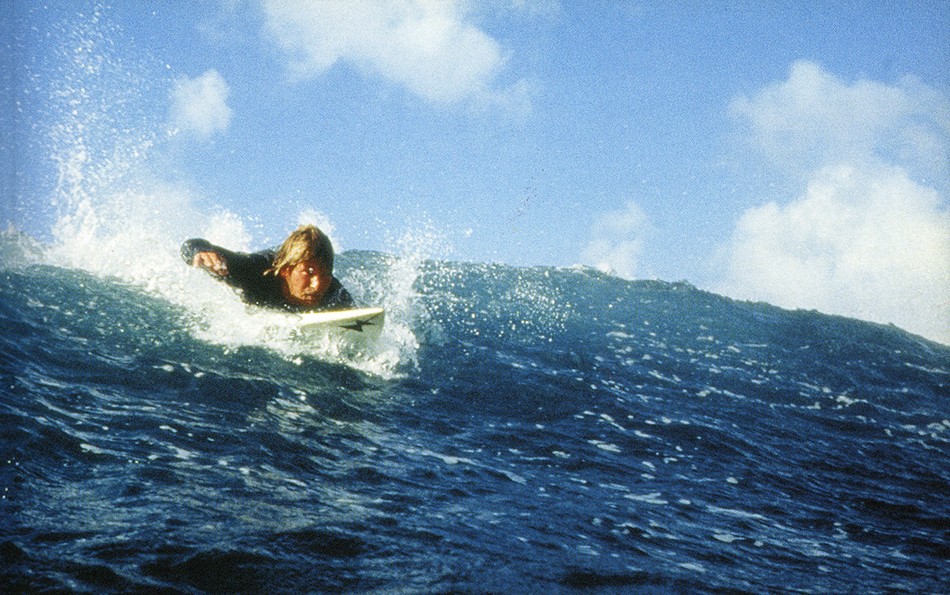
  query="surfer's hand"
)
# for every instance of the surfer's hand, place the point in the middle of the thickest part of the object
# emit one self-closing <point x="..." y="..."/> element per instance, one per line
<point x="212" y="262"/>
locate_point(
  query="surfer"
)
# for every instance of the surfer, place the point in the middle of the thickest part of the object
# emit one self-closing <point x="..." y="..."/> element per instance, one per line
<point x="297" y="276"/>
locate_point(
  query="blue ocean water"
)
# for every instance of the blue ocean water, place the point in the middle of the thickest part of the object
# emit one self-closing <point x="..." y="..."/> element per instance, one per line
<point x="516" y="430"/>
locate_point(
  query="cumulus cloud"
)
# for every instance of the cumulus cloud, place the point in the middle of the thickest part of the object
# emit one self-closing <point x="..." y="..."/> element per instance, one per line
<point x="426" y="46"/>
<point x="813" y="119"/>
<point x="869" y="236"/>
<point x="870" y="244"/>
<point x="617" y="241"/>
<point x="200" y="104"/>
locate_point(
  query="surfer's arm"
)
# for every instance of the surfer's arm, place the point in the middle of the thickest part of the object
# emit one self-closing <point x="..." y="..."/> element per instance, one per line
<point x="203" y="254"/>
<point x="237" y="269"/>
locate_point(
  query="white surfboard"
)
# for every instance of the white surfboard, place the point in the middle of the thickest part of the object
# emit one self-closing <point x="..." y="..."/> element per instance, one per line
<point x="356" y="324"/>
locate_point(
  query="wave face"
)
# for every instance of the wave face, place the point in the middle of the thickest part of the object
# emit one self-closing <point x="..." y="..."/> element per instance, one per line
<point x="518" y="430"/>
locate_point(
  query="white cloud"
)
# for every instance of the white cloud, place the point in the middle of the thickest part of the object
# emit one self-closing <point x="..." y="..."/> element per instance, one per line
<point x="200" y="104"/>
<point x="425" y="45"/>
<point x="869" y="236"/>
<point x="814" y="119"/>
<point x="617" y="243"/>
<point x="869" y="244"/>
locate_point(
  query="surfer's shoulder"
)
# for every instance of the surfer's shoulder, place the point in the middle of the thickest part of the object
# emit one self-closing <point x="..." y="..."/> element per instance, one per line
<point x="336" y="297"/>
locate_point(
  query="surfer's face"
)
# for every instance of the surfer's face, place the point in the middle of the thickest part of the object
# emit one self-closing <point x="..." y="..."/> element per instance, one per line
<point x="305" y="282"/>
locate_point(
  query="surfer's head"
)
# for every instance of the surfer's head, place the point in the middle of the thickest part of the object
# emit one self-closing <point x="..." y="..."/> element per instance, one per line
<point x="304" y="263"/>
<point x="306" y="243"/>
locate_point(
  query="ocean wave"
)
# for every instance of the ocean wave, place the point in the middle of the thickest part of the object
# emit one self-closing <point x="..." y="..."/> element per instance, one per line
<point x="534" y="429"/>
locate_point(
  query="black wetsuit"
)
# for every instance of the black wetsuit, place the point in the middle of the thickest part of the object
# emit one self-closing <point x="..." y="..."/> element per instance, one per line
<point x="246" y="274"/>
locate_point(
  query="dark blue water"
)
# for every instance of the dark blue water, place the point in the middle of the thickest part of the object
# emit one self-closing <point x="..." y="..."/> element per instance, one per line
<point x="523" y="430"/>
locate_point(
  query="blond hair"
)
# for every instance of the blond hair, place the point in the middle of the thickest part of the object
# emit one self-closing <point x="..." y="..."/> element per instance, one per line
<point x="305" y="243"/>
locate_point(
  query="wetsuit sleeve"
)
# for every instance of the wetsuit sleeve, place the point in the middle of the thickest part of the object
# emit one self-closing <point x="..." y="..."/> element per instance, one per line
<point x="193" y="246"/>
<point x="245" y="271"/>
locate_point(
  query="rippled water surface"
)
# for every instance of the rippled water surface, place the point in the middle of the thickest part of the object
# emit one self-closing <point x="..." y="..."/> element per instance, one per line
<point x="516" y="430"/>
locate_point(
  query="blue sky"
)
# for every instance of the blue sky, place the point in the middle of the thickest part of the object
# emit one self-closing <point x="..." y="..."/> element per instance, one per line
<point x="792" y="152"/>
